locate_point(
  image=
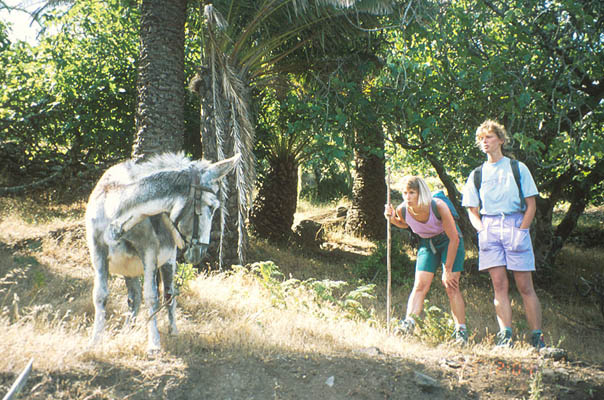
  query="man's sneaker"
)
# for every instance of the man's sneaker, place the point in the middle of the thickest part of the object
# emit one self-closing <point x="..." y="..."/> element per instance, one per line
<point x="405" y="328"/>
<point x="503" y="339"/>
<point x="460" y="336"/>
<point x="537" y="340"/>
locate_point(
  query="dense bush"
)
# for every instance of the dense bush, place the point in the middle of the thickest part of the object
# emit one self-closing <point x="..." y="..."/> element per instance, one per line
<point x="373" y="268"/>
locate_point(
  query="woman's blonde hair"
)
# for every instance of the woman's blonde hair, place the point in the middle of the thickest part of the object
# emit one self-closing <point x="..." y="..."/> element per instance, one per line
<point x="490" y="126"/>
<point x="418" y="184"/>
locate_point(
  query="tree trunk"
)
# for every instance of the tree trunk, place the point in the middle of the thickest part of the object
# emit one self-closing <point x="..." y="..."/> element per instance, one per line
<point x="366" y="214"/>
<point x="160" y="83"/>
<point x="545" y="243"/>
<point x="272" y="214"/>
<point x="467" y="230"/>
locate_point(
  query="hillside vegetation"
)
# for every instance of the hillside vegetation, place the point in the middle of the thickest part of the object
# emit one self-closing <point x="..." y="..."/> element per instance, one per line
<point x="295" y="323"/>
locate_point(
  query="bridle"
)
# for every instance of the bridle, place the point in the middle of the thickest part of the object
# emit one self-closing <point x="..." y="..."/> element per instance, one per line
<point x="194" y="249"/>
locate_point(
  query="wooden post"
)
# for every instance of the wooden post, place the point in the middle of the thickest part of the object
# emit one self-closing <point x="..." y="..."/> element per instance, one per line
<point x="388" y="246"/>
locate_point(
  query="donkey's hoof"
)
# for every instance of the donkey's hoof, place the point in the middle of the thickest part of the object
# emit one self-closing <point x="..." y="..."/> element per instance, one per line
<point x="153" y="352"/>
<point x="94" y="342"/>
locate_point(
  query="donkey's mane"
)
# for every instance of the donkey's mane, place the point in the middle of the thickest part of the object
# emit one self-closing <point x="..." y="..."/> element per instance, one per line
<point x="166" y="162"/>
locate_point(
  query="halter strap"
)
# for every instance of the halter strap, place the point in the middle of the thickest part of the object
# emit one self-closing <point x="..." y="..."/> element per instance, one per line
<point x="195" y="194"/>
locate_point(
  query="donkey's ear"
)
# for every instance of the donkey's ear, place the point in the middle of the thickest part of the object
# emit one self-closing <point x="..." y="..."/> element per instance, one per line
<point x="219" y="169"/>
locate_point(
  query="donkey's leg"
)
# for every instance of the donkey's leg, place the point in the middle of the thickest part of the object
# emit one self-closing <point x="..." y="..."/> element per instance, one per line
<point x="167" y="276"/>
<point x="150" y="294"/>
<point x="134" y="298"/>
<point x="100" y="291"/>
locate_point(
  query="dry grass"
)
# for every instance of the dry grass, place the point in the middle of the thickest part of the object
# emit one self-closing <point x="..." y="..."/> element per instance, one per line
<point x="46" y="307"/>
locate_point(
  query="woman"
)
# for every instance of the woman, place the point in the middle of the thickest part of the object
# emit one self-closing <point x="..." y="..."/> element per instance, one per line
<point x="500" y="197"/>
<point x="440" y="243"/>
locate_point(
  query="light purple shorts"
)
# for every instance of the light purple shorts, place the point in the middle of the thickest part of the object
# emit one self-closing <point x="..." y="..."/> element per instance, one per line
<point x="502" y="242"/>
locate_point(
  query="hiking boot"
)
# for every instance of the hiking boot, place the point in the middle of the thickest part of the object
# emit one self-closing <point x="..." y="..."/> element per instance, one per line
<point x="503" y="339"/>
<point x="460" y="336"/>
<point x="405" y="328"/>
<point x="537" y="340"/>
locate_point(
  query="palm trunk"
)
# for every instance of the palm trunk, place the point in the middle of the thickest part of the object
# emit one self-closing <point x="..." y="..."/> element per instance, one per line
<point x="272" y="214"/>
<point x="160" y="83"/>
<point x="366" y="214"/>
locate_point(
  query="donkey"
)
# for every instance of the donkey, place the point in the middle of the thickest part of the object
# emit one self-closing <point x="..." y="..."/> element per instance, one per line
<point x="137" y="216"/>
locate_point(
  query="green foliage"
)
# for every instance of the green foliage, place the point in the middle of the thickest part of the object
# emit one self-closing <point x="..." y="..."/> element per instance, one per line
<point x="39" y="279"/>
<point x="185" y="273"/>
<point x="26" y="260"/>
<point x="329" y="184"/>
<point x="374" y="269"/>
<point x="269" y="276"/>
<point x="536" y="385"/>
<point x="297" y="126"/>
<point x="72" y="96"/>
<point x="352" y="301"/>
<point x="436" y="326"/>
<point x="523" y="63"/>
<point x="324" y="293"/>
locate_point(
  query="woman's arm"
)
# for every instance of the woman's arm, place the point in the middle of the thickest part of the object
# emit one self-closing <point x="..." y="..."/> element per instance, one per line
<point x="395" y="216"/>
<point x="474" y="215"/>
<point x="451" y="230"/>
<point x="529" y="214"/>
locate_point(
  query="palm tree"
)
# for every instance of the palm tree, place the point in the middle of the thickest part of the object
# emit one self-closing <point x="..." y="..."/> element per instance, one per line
<point x="283" y="147"/>
<point x="365" y="217"/>
<point x="160" y="83"/>
<point x="250" y="49"/>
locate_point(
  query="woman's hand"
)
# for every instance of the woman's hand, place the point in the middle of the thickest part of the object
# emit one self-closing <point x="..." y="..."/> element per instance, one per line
<point x="388" y="211"/>
<point x="449" y="279"/>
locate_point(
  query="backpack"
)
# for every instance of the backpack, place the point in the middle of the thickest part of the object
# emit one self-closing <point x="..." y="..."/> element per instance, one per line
<point x="441" y="196"/>
<point x="515" y="171"/>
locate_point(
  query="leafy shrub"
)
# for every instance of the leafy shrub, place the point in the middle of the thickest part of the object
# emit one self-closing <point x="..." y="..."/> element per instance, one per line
<point x="184" y="274"/>
<point x="373" y="268"/>
<point x="436" y="326"/>
<point x="323" y="293"/>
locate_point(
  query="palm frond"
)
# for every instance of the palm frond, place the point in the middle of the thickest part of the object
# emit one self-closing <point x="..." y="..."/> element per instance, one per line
<point x="377" y="7"/>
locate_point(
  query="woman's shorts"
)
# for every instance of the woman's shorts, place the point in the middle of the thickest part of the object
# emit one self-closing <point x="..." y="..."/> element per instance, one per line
<point x="430" y="256"/>
<point x="502" y="242"/>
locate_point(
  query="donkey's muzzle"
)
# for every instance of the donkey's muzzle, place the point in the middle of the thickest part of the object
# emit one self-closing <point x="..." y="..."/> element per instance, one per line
<point x="195" y="252"/>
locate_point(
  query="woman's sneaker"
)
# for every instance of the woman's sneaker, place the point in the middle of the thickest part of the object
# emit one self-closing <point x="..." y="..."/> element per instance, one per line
<point x="503" y="339"/>
<point x="405" y="328"/>
<point x="460" y="336"/>
<point x="537" y="340"/>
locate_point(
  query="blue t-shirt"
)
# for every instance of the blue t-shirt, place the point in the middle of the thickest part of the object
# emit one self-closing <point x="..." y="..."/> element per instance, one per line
<point x="498" y="190"/>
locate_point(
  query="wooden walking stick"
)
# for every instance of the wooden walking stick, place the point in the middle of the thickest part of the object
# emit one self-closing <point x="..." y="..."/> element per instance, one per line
<point x="388" y="246"/>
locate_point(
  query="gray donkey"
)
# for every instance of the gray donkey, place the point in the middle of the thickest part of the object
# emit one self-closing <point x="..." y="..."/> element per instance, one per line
<point x="137" y="216"/>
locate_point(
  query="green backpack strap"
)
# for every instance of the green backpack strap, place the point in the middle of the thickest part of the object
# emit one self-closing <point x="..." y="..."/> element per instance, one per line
<point x="435" y="208"/>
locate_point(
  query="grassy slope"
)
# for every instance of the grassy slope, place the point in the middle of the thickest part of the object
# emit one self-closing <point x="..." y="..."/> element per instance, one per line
<point x="246" y="337"/>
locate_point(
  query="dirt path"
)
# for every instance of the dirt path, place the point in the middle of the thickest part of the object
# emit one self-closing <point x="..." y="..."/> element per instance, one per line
<point x="366" y="374"/>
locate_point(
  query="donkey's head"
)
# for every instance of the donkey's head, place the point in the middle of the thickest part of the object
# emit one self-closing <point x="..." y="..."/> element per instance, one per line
<point x="195" y="222"/>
